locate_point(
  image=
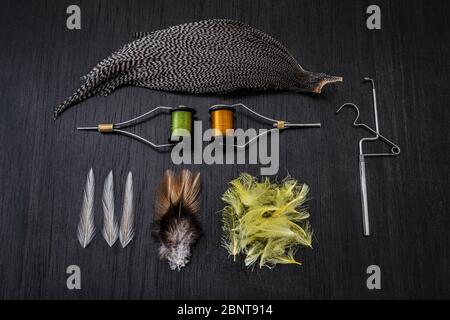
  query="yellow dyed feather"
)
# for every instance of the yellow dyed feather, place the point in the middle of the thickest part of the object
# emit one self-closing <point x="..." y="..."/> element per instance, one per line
<point x="265" y="221"/>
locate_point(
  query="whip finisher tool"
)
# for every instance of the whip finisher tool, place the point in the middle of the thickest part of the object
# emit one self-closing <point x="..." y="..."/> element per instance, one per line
<point x="394" y="151"/>
<point x="181" y="122"/>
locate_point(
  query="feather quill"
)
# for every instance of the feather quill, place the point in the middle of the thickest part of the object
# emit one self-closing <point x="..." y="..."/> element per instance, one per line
<point x="110" y="228"/>
<point x="177" y="209"/>
<point x="127" y="222"/>
<point x="86" y="226"/>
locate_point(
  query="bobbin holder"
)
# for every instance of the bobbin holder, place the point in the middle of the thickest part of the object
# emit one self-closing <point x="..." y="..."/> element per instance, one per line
<point x="118" y="127"/>
<point x="394" y="151"/>
<point x="276" y="124"/>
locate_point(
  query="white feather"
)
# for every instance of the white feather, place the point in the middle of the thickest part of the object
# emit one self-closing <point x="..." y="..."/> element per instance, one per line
<point x="127" y="222"/>
<point x="86" y="226"/>
<point x="110" y="228"/>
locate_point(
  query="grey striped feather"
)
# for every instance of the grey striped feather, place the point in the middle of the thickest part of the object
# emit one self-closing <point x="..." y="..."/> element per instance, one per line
<point x="210" y="56"/>
<point x="127" y="223"/>
<point x="86" y="226"/>
<point x="110" y="227"/>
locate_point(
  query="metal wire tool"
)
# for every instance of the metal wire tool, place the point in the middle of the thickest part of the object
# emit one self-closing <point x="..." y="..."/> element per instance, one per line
<point x="181" y="125"/>
<point x="394" y="151"/>
<point x="222" y="116"/>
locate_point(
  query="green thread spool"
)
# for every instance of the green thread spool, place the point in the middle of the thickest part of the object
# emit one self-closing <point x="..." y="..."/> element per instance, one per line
<point x="181" y="122"/>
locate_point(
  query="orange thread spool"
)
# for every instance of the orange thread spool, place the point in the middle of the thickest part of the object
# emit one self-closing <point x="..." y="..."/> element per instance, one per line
<point x="222" y="120"/>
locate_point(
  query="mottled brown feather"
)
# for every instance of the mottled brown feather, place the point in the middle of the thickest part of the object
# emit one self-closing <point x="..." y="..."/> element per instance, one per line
<point x="175" y="188"/>
<point x="177" y="207"/>
<point x="190" y="187"/>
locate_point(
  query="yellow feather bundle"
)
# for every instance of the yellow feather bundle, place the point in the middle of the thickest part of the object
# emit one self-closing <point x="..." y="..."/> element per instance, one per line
<point x="265" y="220"/>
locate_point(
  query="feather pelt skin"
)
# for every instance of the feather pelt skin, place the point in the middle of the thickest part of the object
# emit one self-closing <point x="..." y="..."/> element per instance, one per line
<point x="177" y="209"/>
<point x="110" y="227"/>
<point x="211" y="56"/>
<point x="127" y="223"/>
<point x="86" y="226"/>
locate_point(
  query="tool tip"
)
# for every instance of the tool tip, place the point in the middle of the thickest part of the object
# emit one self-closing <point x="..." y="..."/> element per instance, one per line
<point x="86" y="128"/>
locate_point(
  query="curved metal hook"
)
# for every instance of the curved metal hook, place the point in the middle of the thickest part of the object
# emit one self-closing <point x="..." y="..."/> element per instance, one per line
<point x="395" y="149"/>
<point x="354" y="107"/>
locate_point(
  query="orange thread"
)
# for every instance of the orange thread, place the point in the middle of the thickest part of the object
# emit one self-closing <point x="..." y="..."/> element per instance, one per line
<point x="221" y="122"/>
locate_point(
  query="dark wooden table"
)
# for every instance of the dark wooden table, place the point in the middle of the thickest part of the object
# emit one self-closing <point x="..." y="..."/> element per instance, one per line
<point x="44" y="163"/>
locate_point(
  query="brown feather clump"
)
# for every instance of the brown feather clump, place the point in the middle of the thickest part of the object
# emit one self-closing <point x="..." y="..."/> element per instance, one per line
<point x="177" y="209"/>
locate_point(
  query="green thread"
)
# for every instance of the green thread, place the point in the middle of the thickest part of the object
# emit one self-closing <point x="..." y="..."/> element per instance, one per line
<point x="181" y="124"/>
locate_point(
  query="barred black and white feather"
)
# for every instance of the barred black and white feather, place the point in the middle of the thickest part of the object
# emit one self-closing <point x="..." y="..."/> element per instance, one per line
<point x="86" y="226"/>
<point x="110" y="227"/>
<point x="210" y="56"/>
<point x="126" y="233"/>
<point x="177" y="209"/>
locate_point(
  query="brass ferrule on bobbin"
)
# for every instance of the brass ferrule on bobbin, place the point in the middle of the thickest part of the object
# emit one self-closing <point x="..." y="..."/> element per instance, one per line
<point x="280" y="124"/>
<point x="105" y="127"/>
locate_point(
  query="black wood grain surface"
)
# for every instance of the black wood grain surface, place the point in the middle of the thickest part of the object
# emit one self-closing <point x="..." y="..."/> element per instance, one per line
<point x="44" y="163"/>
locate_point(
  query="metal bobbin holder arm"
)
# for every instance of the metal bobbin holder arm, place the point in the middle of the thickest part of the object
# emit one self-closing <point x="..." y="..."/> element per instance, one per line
<point x="276" y="124"/>
<point x="108" y="128"/>
<point x="279" y="124"/>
